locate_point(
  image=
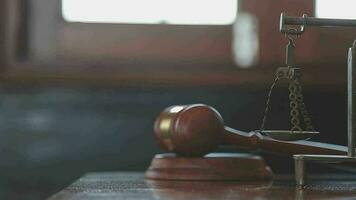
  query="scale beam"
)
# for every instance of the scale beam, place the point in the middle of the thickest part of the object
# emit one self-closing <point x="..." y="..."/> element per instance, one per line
<point x="304" y="21"/>
<point x="313" y="21"/>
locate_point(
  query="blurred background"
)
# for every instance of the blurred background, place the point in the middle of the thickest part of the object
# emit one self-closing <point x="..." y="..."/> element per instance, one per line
<point x="82" y="82"/>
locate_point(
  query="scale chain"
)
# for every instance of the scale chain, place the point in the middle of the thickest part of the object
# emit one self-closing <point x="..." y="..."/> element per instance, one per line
<point x="268" y="101"/>
<point x="298" y="109"/>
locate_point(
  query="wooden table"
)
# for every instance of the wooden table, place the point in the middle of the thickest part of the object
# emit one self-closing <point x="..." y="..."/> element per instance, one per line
<point x="129" y="185"/>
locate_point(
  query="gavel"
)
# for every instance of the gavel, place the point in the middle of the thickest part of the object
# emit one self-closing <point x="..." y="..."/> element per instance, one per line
<point x="198" y="129"/>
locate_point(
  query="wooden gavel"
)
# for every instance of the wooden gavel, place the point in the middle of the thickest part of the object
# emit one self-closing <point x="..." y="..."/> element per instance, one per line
<point x="195" y="130"/>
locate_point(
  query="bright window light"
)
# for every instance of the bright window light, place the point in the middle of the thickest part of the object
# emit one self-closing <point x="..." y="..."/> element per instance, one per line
<point x="343" y="9"/>
<point x="150" y="11"/>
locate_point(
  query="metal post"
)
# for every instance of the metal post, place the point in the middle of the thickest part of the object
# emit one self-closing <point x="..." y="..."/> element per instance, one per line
<point x="351" y="104"/>
<point x="299" y="170"/>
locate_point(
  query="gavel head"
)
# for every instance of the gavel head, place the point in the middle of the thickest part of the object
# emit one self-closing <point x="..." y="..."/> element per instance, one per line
<point x="189" y="130"/>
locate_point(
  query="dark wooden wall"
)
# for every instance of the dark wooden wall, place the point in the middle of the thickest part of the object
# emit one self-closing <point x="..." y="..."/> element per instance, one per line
<point x="168" y="55"/>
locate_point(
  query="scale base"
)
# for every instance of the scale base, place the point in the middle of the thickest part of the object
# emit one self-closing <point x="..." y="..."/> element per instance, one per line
<point x="212" y="167"/>
<point x="300" y="164"/>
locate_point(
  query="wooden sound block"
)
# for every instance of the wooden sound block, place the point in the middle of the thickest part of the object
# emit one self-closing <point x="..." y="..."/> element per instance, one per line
<point x="212" y="167"/>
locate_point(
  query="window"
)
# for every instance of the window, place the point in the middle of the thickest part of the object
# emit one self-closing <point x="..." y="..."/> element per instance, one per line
<point x="207" y="12"/>
<point x="344" y="9"/>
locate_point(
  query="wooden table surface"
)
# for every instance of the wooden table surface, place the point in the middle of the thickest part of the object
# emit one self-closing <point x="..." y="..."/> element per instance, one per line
<point x="129" y="185"/>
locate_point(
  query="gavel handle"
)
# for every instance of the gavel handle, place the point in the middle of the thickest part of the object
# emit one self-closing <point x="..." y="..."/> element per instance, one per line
<point x="255" y="141"/>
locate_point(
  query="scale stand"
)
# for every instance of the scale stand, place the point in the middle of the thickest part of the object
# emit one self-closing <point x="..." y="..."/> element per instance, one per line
<point x="301" y="159"/>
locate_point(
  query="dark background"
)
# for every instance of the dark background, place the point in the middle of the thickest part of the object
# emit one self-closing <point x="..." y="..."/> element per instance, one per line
<point x="69" y="111"/>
